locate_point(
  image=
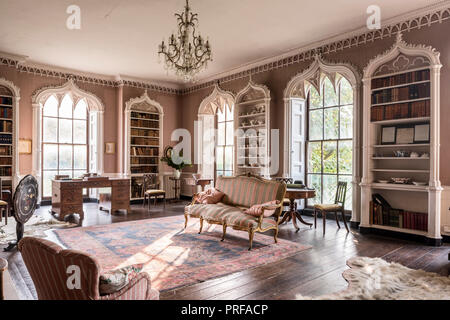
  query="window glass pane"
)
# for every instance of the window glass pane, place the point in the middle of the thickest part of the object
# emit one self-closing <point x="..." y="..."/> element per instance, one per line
<point x="50" y="130"/>
<point x="346" y="92"/>
<point x="50" y="156"/>
<point x="219" y="173"/>
<point x="79" y="131"/>
<point x="314" y="157"/>
<point x="79" y="157"/>
<point x="330" y="157"/>
<point x="221" y="134"/>
<point x="65" y="157"/>
<point x="65" y="131"/>
<point x="51" y="107"/>
<point x="80" y="110"/>
<point x="329" y="188"/>
<point x="316" y="125"/>
<point x="47" y="178"/>
<point x="219" y="158"/>
<point x="315" y="182"/>
<point x="315" y="100"/>
<point x="221" y="115"/>
<point x="331" y="123"/>
<point x="230" y="115"/>
<point x="346" y="119"/>
<point x="331" y="98"/>
<point x="230" y="133"/>
<point x="228" y="174"/>
<point x="345" y="157"/>
<point x="348" y="195"/>
<point x="228" y="158"/>
<point x="65" y="110"/>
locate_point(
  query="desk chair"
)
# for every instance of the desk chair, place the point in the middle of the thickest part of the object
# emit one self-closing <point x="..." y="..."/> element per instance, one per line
<point x="338" y="206"/>
<point x="151" y="189"/>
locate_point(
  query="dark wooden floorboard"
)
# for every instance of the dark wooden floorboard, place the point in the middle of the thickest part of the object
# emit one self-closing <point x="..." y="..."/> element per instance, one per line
<point x="312" y="272"/>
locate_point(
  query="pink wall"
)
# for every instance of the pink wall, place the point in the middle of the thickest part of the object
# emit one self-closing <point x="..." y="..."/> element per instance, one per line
<point x="276" y="80"/>
<point x="29" y="83"/>
<point x="181" y="111"/>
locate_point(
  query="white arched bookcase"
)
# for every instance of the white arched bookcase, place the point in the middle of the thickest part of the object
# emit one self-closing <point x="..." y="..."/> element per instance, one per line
<point x="143" y="140"/>
<point x="401" y="140"/>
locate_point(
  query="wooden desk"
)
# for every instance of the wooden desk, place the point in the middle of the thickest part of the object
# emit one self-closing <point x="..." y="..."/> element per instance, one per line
<point x="67" y="195"/>
<point x="176" y="187"/>
<point x="297" y="194"/>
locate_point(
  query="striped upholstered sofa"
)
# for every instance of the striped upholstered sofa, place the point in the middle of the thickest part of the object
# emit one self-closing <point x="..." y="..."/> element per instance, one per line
<point x="241" y="193"/>
<point x="48" y="265"/>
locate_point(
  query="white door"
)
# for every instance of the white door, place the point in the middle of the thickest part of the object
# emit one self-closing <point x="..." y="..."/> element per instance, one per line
<point x="298" y="138"/>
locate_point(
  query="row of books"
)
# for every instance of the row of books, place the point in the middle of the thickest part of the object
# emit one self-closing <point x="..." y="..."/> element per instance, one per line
<point x="6" y="101"/>
<point x="6" y="172"/>
<point x="6" y="113"/>
<point x="6" y="126"/>
<point x="380" y="215"/>
<point x="144" y="160"/>
<point x="399" y="79"/>
<point x="5" y="138"/>
<point x="145" y="142"/>
<point x="5" y="150"/>
<point x="145" y="133"/>
<point x="145" y="116"/>
<point x="415" y="91"/>
<point x="416" y="109"/>
<point x="145" y="124"/>
<point x="143" y="151"/>
<point x="5" y="161"/>
<point x="144" y="169"/>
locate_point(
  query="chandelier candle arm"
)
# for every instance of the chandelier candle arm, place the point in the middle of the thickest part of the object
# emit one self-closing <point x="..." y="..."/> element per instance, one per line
<point x="187" y="53"/>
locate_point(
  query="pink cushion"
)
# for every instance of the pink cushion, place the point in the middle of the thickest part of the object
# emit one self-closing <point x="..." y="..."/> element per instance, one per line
<point x="210" y="196"/>
<point x="256" y="210"/>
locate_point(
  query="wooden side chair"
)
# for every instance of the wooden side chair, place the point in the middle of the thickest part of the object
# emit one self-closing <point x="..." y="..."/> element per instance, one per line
<point x="151" y="189"/>
<point x="338" y="206"/>
<point x="4" y="205"/>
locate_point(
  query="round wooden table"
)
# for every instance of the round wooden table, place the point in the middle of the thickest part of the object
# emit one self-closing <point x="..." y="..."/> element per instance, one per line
<point x="297" y="194"/>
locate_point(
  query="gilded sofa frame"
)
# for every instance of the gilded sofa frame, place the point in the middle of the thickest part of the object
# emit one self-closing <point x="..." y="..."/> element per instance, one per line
<point x="251" y="231"/>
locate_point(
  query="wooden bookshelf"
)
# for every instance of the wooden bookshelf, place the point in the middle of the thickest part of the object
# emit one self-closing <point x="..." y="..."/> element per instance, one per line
<point x="253" y="114"/>
<point x="399" y="100"/>
<point x="6" y="139"/>
<point x="144" y="120"/>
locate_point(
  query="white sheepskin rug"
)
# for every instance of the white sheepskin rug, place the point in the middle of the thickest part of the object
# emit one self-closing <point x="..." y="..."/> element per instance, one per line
<point x="376" y="279"/>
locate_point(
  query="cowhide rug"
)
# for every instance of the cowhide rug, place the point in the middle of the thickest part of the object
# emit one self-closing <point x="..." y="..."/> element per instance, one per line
<point x="376" y="279"/>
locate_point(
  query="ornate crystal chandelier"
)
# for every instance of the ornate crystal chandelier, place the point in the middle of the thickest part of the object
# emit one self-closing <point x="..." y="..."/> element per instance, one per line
<point x="187" y="53"/>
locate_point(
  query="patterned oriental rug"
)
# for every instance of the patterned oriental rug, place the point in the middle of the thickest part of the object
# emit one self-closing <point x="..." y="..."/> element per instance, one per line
<point x="175" y="257"/>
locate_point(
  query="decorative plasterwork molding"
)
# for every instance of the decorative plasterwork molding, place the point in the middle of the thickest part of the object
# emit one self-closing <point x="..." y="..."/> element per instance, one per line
<point x="403" y="49"/>
<point x="314" y="75"/>
<point x="251" y="86"/>
<point x="422" y="18"/>
<point x="216" y="100"/>
<point x="70" y="87"/>
<point x="144" y="103"/>
<point x="418" y="19"/>
<point x="11" y="86"/>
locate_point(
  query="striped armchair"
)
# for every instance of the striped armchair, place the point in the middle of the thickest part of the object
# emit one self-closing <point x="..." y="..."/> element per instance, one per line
<point x="241" y="193"/>
<point x="48" y="266"/>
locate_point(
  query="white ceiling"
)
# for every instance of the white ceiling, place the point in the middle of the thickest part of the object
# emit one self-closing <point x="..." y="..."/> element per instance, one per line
<point x="121" y="37"/>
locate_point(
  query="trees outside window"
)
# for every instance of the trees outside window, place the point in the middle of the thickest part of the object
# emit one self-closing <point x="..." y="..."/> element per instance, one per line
<point x="64" y="140"/>
<point x="225" y="141"/>
<point x="329" y="141"/>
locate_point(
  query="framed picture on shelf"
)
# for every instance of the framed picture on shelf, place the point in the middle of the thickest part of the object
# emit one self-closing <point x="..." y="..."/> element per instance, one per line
<point x="422" y="133"/>
<point x="404" y="135"/>
<point x="388" y="134"/>
<point x="110" y="148"/>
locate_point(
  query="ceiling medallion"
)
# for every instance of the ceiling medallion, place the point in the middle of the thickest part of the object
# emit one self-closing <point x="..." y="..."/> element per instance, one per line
<point x="187" y="53"/>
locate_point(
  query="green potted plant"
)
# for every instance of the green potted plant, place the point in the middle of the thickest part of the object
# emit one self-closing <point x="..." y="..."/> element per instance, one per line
<point x="174" y="162"/>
